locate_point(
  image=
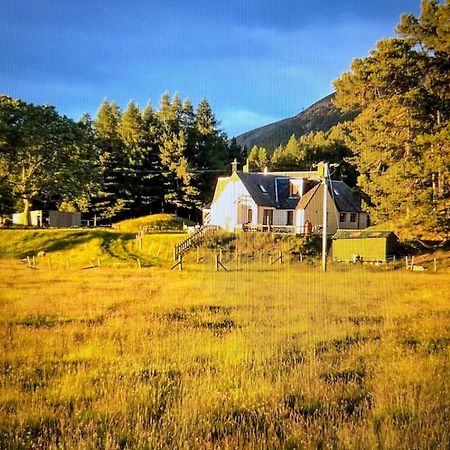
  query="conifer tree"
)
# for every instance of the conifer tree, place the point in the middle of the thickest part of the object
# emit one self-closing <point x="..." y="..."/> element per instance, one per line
<point x="257" y="159"/>
<point x="179" y="189"/>
<point x="287" y="158"/>
<point x="211" y="151"/>
<point x="112" y="199"/>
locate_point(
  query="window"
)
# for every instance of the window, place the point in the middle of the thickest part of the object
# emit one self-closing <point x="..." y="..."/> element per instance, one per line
<point x="342" y="217"/>
<point x="352" y="217"/>
<point x="250" y="216"/>
<point x="290" y="218"/>
<point x="263" y="189"/>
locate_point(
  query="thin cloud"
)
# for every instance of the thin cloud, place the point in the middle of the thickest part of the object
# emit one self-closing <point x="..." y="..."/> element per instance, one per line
<point x="237" y="121"/>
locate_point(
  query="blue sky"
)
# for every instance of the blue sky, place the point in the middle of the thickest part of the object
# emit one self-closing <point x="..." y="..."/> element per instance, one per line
<point x="256" y="61"/>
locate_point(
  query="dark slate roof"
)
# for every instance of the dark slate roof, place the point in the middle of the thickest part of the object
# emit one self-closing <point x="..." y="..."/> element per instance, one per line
<point x="362" y="234"/>
<point x="274" y="191"/>
<point x="344" y="197"/>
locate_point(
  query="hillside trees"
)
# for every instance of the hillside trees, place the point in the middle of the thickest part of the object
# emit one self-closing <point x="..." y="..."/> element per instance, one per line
<point x="45" y="155"/>
<point x="401" y="136"/>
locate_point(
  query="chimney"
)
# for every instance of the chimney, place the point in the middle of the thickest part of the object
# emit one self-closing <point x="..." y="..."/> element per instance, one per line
<point x="234" y="166"/>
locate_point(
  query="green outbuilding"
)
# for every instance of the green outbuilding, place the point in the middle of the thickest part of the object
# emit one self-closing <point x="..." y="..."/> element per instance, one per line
<point x="360" y="245"/>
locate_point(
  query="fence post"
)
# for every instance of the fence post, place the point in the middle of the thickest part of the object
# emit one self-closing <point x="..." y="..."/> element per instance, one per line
<point x="435" y="264"/>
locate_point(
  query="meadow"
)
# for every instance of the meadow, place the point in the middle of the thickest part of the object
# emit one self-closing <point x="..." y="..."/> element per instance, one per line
<point x="261" y="357"/>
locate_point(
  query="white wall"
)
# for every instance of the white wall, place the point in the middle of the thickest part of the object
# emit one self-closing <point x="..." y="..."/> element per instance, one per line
<point x="227" y="211"/>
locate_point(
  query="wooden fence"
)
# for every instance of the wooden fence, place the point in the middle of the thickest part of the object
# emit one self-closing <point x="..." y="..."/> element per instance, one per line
<point x="194" y="240"/>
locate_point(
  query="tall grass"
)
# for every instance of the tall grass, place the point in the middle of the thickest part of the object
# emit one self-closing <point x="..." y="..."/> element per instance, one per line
<point x="261" y="356"/>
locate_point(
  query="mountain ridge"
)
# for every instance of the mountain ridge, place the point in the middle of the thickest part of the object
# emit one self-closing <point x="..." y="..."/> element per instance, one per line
<point x="320" y="116"/>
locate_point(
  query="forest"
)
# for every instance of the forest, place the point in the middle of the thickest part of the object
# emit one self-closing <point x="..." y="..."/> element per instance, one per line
<point x="395" y="153"/>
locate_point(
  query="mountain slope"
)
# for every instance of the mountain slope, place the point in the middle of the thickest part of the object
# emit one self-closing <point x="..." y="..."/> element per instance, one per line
<point x="320" y="116"/>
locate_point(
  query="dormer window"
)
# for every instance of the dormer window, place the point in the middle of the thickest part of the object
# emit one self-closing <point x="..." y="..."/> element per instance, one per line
<point x="295" y="188"/>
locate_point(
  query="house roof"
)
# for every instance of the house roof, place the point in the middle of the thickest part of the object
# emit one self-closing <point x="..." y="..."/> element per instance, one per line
<point x="344" y="198"/>
<point x="268" y="189"/>
<point x="362" y="234"/>
<point x="272" y="190"/>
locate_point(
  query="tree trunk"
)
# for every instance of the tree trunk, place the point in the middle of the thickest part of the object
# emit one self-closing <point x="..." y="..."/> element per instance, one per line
<point x="26" y="211"/>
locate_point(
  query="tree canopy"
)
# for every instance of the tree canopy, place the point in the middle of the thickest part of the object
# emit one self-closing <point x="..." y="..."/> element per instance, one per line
<point x="44" y="155"/>
<point x="120" y="164"/>
<point x="401" y="136"/>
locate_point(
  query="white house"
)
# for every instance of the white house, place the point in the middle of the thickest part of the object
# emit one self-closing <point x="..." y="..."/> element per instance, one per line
<point x="284" y="202"/>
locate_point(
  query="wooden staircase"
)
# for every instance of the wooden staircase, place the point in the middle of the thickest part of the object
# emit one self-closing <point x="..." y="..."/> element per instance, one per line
<point x="194" y="240"/>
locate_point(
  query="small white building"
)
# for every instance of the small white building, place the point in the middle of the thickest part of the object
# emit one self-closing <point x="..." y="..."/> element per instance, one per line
<point x="52" y="219"/>
<point x="283" y="202"/>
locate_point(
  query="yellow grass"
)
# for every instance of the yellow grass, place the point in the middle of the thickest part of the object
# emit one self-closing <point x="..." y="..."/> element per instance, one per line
<point x="262" y="356"/>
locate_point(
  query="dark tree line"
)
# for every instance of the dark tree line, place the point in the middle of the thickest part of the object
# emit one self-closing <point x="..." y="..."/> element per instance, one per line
<point x="120" y="164"/>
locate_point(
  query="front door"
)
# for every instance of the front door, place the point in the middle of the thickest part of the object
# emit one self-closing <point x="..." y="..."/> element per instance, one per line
<point x="267" y="218"/>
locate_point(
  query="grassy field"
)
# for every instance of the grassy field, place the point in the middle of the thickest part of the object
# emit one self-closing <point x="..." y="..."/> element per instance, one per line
<point x="262" y="356"/>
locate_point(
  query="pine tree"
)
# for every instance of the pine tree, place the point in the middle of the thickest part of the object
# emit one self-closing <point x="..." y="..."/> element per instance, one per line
<point x="287" y="158"/>
<point x="112" y="198"/>
<point x="257" y="159"/>
<point x="151" y="174"/>
<point x="211" y="155"/>
<point x="179" y="189"/>
<point x="236" y="152"/>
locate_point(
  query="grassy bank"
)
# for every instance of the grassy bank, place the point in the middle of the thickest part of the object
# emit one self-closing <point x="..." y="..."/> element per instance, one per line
<point x="81" y="248"/>
<point x="281" y="357"/>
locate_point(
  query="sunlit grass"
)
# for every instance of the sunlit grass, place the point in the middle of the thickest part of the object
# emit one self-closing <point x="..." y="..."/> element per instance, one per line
<point x="85" y="248"/>
<point x="262" y="356"/>
<point x="154" y="222"/>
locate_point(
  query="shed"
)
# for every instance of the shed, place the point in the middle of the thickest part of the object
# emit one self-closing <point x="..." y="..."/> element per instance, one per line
<point x="55" y="219"/>
<point x="363" y="245"/>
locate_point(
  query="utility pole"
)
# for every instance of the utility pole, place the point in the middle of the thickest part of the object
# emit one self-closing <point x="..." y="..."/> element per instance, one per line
<point x="323" y="172"/>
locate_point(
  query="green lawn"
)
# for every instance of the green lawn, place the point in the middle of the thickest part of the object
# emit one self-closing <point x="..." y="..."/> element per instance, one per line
<point x="82" y="248"/>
